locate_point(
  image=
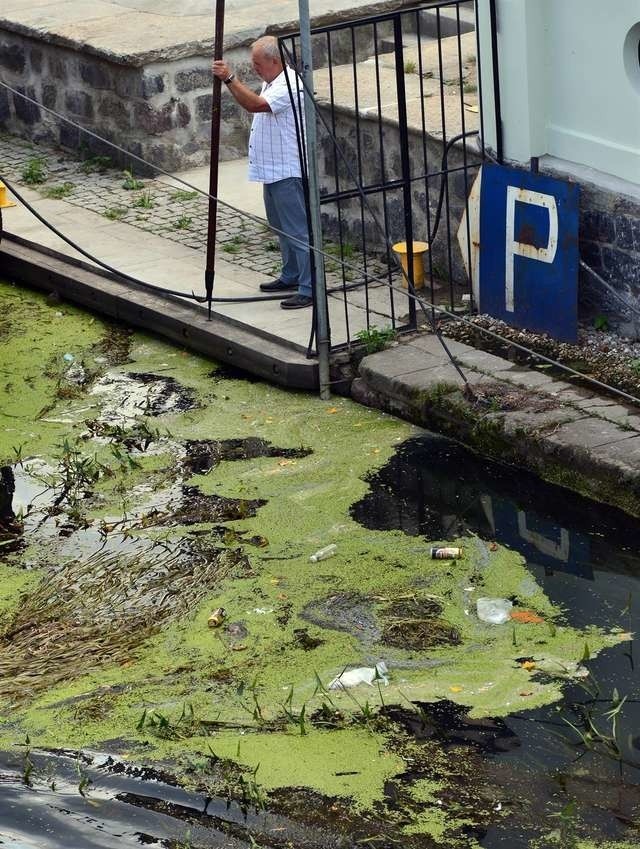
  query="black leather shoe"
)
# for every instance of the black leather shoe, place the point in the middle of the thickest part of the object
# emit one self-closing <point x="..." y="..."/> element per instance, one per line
<point x="296" y="302"/>
<point x="277" y="286"/>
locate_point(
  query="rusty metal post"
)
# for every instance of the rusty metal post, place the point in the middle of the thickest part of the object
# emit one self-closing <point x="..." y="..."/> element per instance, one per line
<point x="215" y="155"/>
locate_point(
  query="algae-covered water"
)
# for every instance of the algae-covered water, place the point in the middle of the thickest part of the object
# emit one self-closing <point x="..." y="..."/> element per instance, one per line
<point x="153" y="488"/>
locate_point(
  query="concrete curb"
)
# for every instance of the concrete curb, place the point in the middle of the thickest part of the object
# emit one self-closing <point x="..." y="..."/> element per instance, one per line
<point x="182" y="322"/>
<point x="566" y="435"/>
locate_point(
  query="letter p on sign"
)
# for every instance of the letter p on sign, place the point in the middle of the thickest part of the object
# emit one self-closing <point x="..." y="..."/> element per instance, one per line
<point x="529" y="251"/>
<point x="516" y="248"/>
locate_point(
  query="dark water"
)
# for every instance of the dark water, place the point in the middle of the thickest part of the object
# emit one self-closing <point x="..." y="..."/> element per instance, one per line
<point x="587" y="559"/>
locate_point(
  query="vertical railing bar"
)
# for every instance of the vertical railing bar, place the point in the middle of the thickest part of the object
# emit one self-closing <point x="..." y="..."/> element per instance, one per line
<point x="465" y="162"/>
<point x="365" y="256"/>
<point x="425" y="159"/>
<point x="356" y="107"/>
<point x="404" y="155"/>
<point x="337" y="182"/>
<point x="479" y="74"/>
<point x="383" y="177"/>
<point x="298" y="117"/>
<point x="496" y="79"/>
<point x="445" y="175"/>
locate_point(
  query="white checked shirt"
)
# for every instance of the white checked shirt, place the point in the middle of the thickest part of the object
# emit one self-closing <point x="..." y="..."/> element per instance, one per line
<point x="273" y="144"/>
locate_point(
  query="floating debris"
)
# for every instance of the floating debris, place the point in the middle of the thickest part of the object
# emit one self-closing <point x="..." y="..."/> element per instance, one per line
<point x="97" y="611"/>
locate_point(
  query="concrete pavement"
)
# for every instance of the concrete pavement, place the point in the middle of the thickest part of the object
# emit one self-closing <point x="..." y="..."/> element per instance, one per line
<point x="146" y="30"/>
<point x="163" y="242"/>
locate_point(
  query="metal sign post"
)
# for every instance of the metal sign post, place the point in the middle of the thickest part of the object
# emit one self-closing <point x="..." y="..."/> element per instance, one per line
<point x="215" y="156"/>
<point x="320" y="292"/>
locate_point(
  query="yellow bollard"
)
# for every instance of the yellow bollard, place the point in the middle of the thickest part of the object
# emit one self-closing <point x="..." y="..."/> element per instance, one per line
<point x="419" y="248"/>
<point x="4" y="198"/>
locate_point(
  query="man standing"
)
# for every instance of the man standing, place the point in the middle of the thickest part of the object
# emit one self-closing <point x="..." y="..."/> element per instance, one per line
<point x="274" y="161"/>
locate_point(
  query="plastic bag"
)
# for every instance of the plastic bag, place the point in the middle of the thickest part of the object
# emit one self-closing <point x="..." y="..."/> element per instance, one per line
<point x="495" y="611"/>
<point x="361" y="675"/>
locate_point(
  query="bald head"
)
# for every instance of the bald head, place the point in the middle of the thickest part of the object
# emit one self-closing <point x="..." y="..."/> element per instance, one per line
<point x="265" y="58"/>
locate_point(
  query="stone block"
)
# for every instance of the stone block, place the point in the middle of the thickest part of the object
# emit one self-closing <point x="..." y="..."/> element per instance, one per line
<point x="35" y="57"/>
<point x="157" y="121"/>
<point x="152" y="84"/>
<point x="27" y="112"/>
<point x="193" y="79"/>
<point x="58" y="68"/>
<point x="590" y="253"/>
<point x="5" y="109"/>
<point x="622" y="267"/>
<point x="69" y="136"/>
<point x="95" y="75"/>
<point x="127" y="83"/>
<point x="590" y="433"/>
<point x="12" y="57"/>
<point x="49" y="96"/>
<point x="624" y="233"/>
<point x="204" y="106"/>
<point x="79" y="103"/>
<point x="228" y="109"/>
<point x="116" y="111"/>
<point x="597" y="226"/>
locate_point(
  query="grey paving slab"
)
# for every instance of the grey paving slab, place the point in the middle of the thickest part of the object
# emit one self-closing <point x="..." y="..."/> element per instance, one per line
<point x="537" y="423"/>
<point x="139" y="31"/>
<point x="618" y="413"/>
<point x="385" y="373"/>
<point x="527" y="379"/>
<point x="624" y="454"/>
<point x="61" y="14"/>
<point x="590" y="433"/>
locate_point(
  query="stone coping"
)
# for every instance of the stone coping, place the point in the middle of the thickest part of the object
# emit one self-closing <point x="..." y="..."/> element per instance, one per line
<point x="158" y="32"/>
<point x="568" y="435"/>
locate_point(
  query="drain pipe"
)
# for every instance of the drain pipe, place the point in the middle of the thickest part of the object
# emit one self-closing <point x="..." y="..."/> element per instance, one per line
<point x="320" y="288"/>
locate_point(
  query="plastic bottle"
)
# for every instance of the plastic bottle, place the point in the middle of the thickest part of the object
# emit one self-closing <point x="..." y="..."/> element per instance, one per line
<point x="324" y="553"/>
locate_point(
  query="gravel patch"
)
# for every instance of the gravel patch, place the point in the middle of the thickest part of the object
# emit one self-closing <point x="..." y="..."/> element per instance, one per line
<point x="604" y="355"/>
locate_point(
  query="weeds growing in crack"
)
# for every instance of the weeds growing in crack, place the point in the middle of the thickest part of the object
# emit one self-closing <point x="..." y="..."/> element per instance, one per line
<point x="256" y="710"/>
<point x="84" y="782"/>
<point x="565" y="835"/>
<point x="28" y="766"/>
<point x="161" y="726"/>
<point x="299" y="719"/>
<point x="236" y="784"/>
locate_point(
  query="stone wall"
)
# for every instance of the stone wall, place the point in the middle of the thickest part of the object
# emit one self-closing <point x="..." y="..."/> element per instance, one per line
<point x="160" y="112"/>
<point x="610" y="244"/>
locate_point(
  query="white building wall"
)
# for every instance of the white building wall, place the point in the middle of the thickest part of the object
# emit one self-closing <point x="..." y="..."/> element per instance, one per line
<point x="569" y="81"/>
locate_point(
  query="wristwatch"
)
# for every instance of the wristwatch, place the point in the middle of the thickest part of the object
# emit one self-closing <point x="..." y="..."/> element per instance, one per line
<point x="229" y="79"/>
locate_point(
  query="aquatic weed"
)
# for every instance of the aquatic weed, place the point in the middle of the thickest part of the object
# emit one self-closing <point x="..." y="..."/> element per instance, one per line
<point x="34" y="172"/>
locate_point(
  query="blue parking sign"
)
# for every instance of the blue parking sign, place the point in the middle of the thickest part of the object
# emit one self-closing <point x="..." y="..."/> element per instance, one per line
<point x="529" y="252"/>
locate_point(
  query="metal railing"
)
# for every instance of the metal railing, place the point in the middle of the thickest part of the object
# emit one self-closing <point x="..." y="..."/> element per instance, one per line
<point x="398" y="102"/>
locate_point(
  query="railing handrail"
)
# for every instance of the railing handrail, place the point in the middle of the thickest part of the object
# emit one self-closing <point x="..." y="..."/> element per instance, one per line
<point x="379" y="18"/>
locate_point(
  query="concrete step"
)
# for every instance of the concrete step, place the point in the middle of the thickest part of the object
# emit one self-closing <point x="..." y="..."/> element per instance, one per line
<point x="421" y="93"/>
<point x="423" y="54"/>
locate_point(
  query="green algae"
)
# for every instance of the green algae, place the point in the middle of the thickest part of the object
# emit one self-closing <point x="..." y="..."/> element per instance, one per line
<point x="307" y="506"/>
<point x="15" y="583"/>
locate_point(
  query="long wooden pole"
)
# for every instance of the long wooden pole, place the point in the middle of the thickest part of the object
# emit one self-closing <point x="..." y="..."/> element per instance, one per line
<point x="215" y="156"/>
